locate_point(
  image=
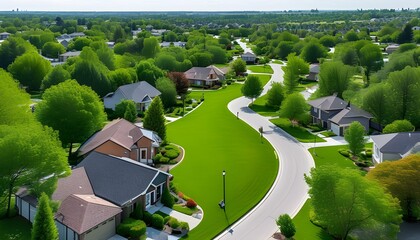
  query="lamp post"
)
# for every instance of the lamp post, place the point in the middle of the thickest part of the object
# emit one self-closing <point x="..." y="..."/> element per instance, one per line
<point x="222" y="203"/>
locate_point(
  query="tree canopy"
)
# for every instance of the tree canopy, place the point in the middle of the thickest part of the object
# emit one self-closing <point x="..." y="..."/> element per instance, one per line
<point x="334" y="77"/>
<point x="275" y="95"/>
<point x="354" y="135"/>
<point x="12" y="48"/>
<point x="399" y="126"/>
<point x="126" y="109"/>
<point x="154" y="118"/>
<point x="295" y="67"/>
<point x="294" y="107"/>
<point x="168" y="91"/>
<point x="252" y="87"/>
<point x="44" y="226"/>
<point x="57" y="75"/>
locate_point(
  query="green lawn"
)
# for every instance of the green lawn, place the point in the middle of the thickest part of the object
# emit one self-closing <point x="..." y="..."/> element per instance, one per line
<point x="264" y="78"/>
<point x="303" y="85"/>
<point x="214" y="140"/>
<point x="184" y="210"/>
<point x="277" y="61"/>
<point x="261" y="69"/>
<point x="260" y="107"/>
<point x="15" y="228"/>
<point x="301" y="134"/>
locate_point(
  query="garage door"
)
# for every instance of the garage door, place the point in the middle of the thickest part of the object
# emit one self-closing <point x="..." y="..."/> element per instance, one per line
<point x="102" y="232"/>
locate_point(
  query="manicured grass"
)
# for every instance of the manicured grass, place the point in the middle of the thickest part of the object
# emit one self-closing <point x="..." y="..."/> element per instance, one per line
<point x="298" y="132"/>
<point x="214" y="140"/>
<point x="261" y="69"/>
<point x="328" y="134"/>
<point x="305" y="229"/>
<point x="303" y="85"/>
<point x="15" y="228"/>
<point x="277" y="62"/>
<point x="184" y="210"/>
<point x="222" y="65"/>
<point x="264" y="78"/>
<point x="259" y="107"/>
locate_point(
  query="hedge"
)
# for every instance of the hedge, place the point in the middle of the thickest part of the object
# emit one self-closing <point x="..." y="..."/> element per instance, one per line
<point x="131" y="228"/>
<point x="157" y="221"/>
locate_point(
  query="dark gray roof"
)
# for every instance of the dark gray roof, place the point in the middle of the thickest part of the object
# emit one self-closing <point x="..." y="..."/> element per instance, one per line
<point x="138" y="91"/>
<point x="248" y="54"/>
<point x="314" y="68"/>
<point x="71" y="54"/>
<point x="328" y="103"/>
<point x="161" y="178"/>
<point x="399" y="143"/>
<point x="118" y="180"/>
<point x="350" y="112"/>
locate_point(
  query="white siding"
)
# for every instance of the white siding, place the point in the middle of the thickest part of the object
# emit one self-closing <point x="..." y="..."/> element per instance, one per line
<point x="102" y="231"/>
<point x="335" y="129"/>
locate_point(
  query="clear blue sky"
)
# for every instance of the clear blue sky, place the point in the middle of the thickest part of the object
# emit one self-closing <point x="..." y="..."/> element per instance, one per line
<point x="202" y="5"/>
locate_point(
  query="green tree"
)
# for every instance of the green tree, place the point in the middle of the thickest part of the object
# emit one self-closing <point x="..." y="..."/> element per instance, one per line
<point x="275" y="95"/>
<point x="371" y="59"/>
<point x="168" y="91"/>
<point x="181" y="82"/>
<point x="351" y="36"/>
<point x="12" y="48"/>
<point x="406" y="36"/>
<point x="170" y="36"/>
<point x="119" y="34"/>
<point x="154" y="118"/>
<point x="334" y="77"/>
<point x="52" y="49"/>
<point x="79" y="43"/>
<point x="252" y="87"/>
<point x="106" y="56"/>
<point x="150" y="47"/>
<point x="285" y="223"/>
<point x="313" y="51"/>
<point x="30" y="68"/>
<point x="147" y="71"/>
<point x="167" y="199"/>
<point x="75" y="111"/>
<point x="44" y="225"/>
<point x="375" y="101"/>
<point x="239" y="66"/>
<point x="219" y="54"/>
<point x="119" y="77"/>
<point x="345" y="202"/>
<point x="42" y="158"/>
<point x="284" y="49"/>
<point x="354" y="135"/>
<point x="126" y="109"/>
<point x="166" y="61"/>
<point x="57" y="75"/>
<point x="402" y="179"/>
<point x="399" y="126"/>
<point x="294" y="107"/>
<point x="295" y="67"/>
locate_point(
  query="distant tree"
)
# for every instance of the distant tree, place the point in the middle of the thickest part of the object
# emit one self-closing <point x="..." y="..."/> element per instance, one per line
<point x="284" y="49"/>
<point x="334" y="77"/>
<point x="201" y="59"/>
<point x="313" y="51"/>
<point x="399" y="126"/>
<point x="181" y="82"/>
<point x="168" y="91"/>
<point x="239" y="66"/>
<point x="44" y="226"/>
<point x="119" y="77"/>
<point x="345" y="202"/>
<point x="406" y="36"/>
<point x="24" y="163"/>
<point x="371" y="59"/>
<point x="57" y="75"/>
<point x="106" y="56"/>
<point x="348" y="55"/>
<point x="402" y="179"/>
<point x="218" y="54"/>
<point x="351" y="36"/>
<point x="35" y="40"/>
<point x="53" y="49"/>
<point x="327" y="41"/>
<point x="275" y="95"/>
<point x="294" y="107"/>
<point x="295" y="67"/>
<point x="79" y="43"/>
<point x="170" y="36"/>
<point x="375" y="101"/>
<point x="154" y="118"/>
<point x="354" y="135"/>
<point x="30" y="68"/>
<point x="126" y="109"/>
<point x="252" y="87"/>
<point x="12" y="48"/>
<point x="150" y="47"/>
<point x="119" y="34"/>
<point x="166" y="62"/>
<point x="285" y="223"/>
<point x="82" y="107"/>
<point x="147" y="71"/>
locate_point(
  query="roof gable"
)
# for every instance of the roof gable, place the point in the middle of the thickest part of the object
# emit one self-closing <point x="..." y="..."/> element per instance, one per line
<point x="328" y="103"/>
<point x="399" y="143"/>
<point x="138" y="91"/>
<point x="350" y="112"/>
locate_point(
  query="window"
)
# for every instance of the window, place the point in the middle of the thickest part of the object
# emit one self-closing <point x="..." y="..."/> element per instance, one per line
<point x="143" y="154"/>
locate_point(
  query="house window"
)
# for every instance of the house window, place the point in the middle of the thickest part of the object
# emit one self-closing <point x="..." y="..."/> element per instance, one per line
<point x="143" y="153"/>
<point x="158" y="191"/>
<point x="315" y="110"/>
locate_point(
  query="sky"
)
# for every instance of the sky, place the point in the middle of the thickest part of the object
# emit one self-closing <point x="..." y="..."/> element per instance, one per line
<point x="202" y="5"/>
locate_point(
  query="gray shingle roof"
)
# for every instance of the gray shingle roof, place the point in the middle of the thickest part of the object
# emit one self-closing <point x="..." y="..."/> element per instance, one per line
<point x="350" y="112"/>
<point x="203" y="73"/>
<point x="118" y="180"/>
<point x="76" y="183"/>
<point x="399" y="143"/>
<point x="138" y="91"/>
<point x="328" y="103"/>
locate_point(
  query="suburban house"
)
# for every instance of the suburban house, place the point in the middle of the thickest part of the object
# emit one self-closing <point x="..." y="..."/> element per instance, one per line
<point x="141" y="93"/>
<point x="175" y="44"/>
<point x="335" y="114"/>
<point x="4" y="35"/>
<point x="205" y="76"/>
<point x="394" y="146"/>
<point x="249" y="58"/>
<point x="101" y="191"/>
<point x="65" y="39"/>
<point x="63" y="57"/>
<point x="313" y="72"/>
<point x="122" y="138"/>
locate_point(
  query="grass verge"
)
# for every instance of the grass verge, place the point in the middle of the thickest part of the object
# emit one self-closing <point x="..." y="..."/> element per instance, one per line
<point x="298" y="132"/>
<point x="261" y="69"/>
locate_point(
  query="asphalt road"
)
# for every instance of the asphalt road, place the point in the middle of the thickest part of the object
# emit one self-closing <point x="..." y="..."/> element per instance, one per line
<point x="289" y="191"/>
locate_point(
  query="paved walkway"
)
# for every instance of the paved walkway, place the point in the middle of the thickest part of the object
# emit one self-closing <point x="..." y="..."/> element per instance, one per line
<point x="289" y="191"/>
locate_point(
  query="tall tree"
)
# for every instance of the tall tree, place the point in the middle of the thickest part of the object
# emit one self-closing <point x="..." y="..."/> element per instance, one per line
<point x="252" y="87"/>
<point x="313" y="51"/>
<point x="75" y="111"/>
<point x="354" y="135"/>
<point x="12" y="48"/>
<point x="57" y="75"/>
<point x="150" y="47"/>
<point x="285" y="223"/>
<point x="294" y="107"/>
<point x="44" y="225"/>
<point x="406" y="36"/>
<point x="53" y="49"/>
<point x="402" y="179"/>
<point x="126" y="109"/>
<point x="275" y="95"/>
<point x="30" y="69"/>
<point x="345" y="202"/>
<point x="239" y="66"/>
<point x="371" y="59"/>
<point x="168" y="91"/>
<point x="119" y="77"/>
<point x="154" y="118"/>
<point x="148" y="71"/>
<point x="292" y="71"/>
<point x="334" y="77"/>
<point x="375" y="101"/>
<point x="181" y="82"/>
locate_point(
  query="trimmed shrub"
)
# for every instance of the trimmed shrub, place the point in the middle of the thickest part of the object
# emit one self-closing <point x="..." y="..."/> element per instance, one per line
<point x="157" y="157"/>
<point x="368" y="152"/>
<point x="166" y="219"/>
<point x="137" y="213"/>
<point x="173" y="223"/>
<point x="147" y="217"/>
<point x="157" y="221"/>
<point x="194" y="105"/>
<point x="191" y="203"/>
<point x="131" y="228"/>
<point x="138" y="230"/>
<point x="173" y="187"/>
<point x="171" y="154"/>
<point x="167" y="199"/>
<point x="344" y="152"/>
<point x="184" y="226"/>
<point x="164" y="160"/>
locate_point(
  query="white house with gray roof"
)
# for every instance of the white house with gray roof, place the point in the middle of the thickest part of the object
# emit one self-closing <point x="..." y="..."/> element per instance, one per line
<point x="394" y="146"/>
<point x="141" y="93"/>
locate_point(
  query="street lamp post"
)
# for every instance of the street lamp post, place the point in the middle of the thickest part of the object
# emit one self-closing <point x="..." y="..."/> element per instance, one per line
<point x="222" y="203"/>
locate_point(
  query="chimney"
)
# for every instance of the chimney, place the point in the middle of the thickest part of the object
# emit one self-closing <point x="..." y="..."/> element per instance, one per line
<point x="348" y="105"/>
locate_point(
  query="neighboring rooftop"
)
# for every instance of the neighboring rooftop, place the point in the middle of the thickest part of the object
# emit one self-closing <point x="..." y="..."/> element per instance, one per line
<point x="399" y="143"/>
<point x="138" y="91"/>
<point x="76" y="183"/>
<point x="347" y="114"/>
<point x="202" y="73"/>
<point x="328" y="103"/>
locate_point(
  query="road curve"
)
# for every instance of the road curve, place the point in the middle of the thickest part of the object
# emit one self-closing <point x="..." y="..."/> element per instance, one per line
<point x="289" y="191"/>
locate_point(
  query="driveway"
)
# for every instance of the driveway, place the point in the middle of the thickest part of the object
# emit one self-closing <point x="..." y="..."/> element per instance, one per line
<point x="289" y="191"/>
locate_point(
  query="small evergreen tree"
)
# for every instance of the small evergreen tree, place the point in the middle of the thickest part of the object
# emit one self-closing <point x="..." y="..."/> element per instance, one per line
<point x="285" y="223"/>
<point x="154" y="118"/>
<point x="44" y="226"/>
<point x="167" y="199"/>
<point x="126" y="109"/>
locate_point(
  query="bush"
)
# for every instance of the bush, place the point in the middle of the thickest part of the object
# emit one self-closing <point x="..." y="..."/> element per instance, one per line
<point x="137" y="213"/>
<point x="184" y="226"/>
<point x="164" y="160"/>
<point x="173" y="223"/>
<point x="171" y="154"/>
<point x="131" y="228"/>
<point x="138" y="230"/>
<point x="147" y="217"/>
<point x="344" y="152"/>
<point x="173" y="187"/>
<point x="167" y="199"/>
<point x="157" y="221"/>
<point x="188" y="101"/>
<point x="191" y="203"/>
<point x="368" y="153"/>
<point x="166" y="219"/>
<point x="157" y="157"/>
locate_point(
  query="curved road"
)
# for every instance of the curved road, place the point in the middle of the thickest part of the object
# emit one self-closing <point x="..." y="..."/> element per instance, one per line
<point x="289" y="191"/>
